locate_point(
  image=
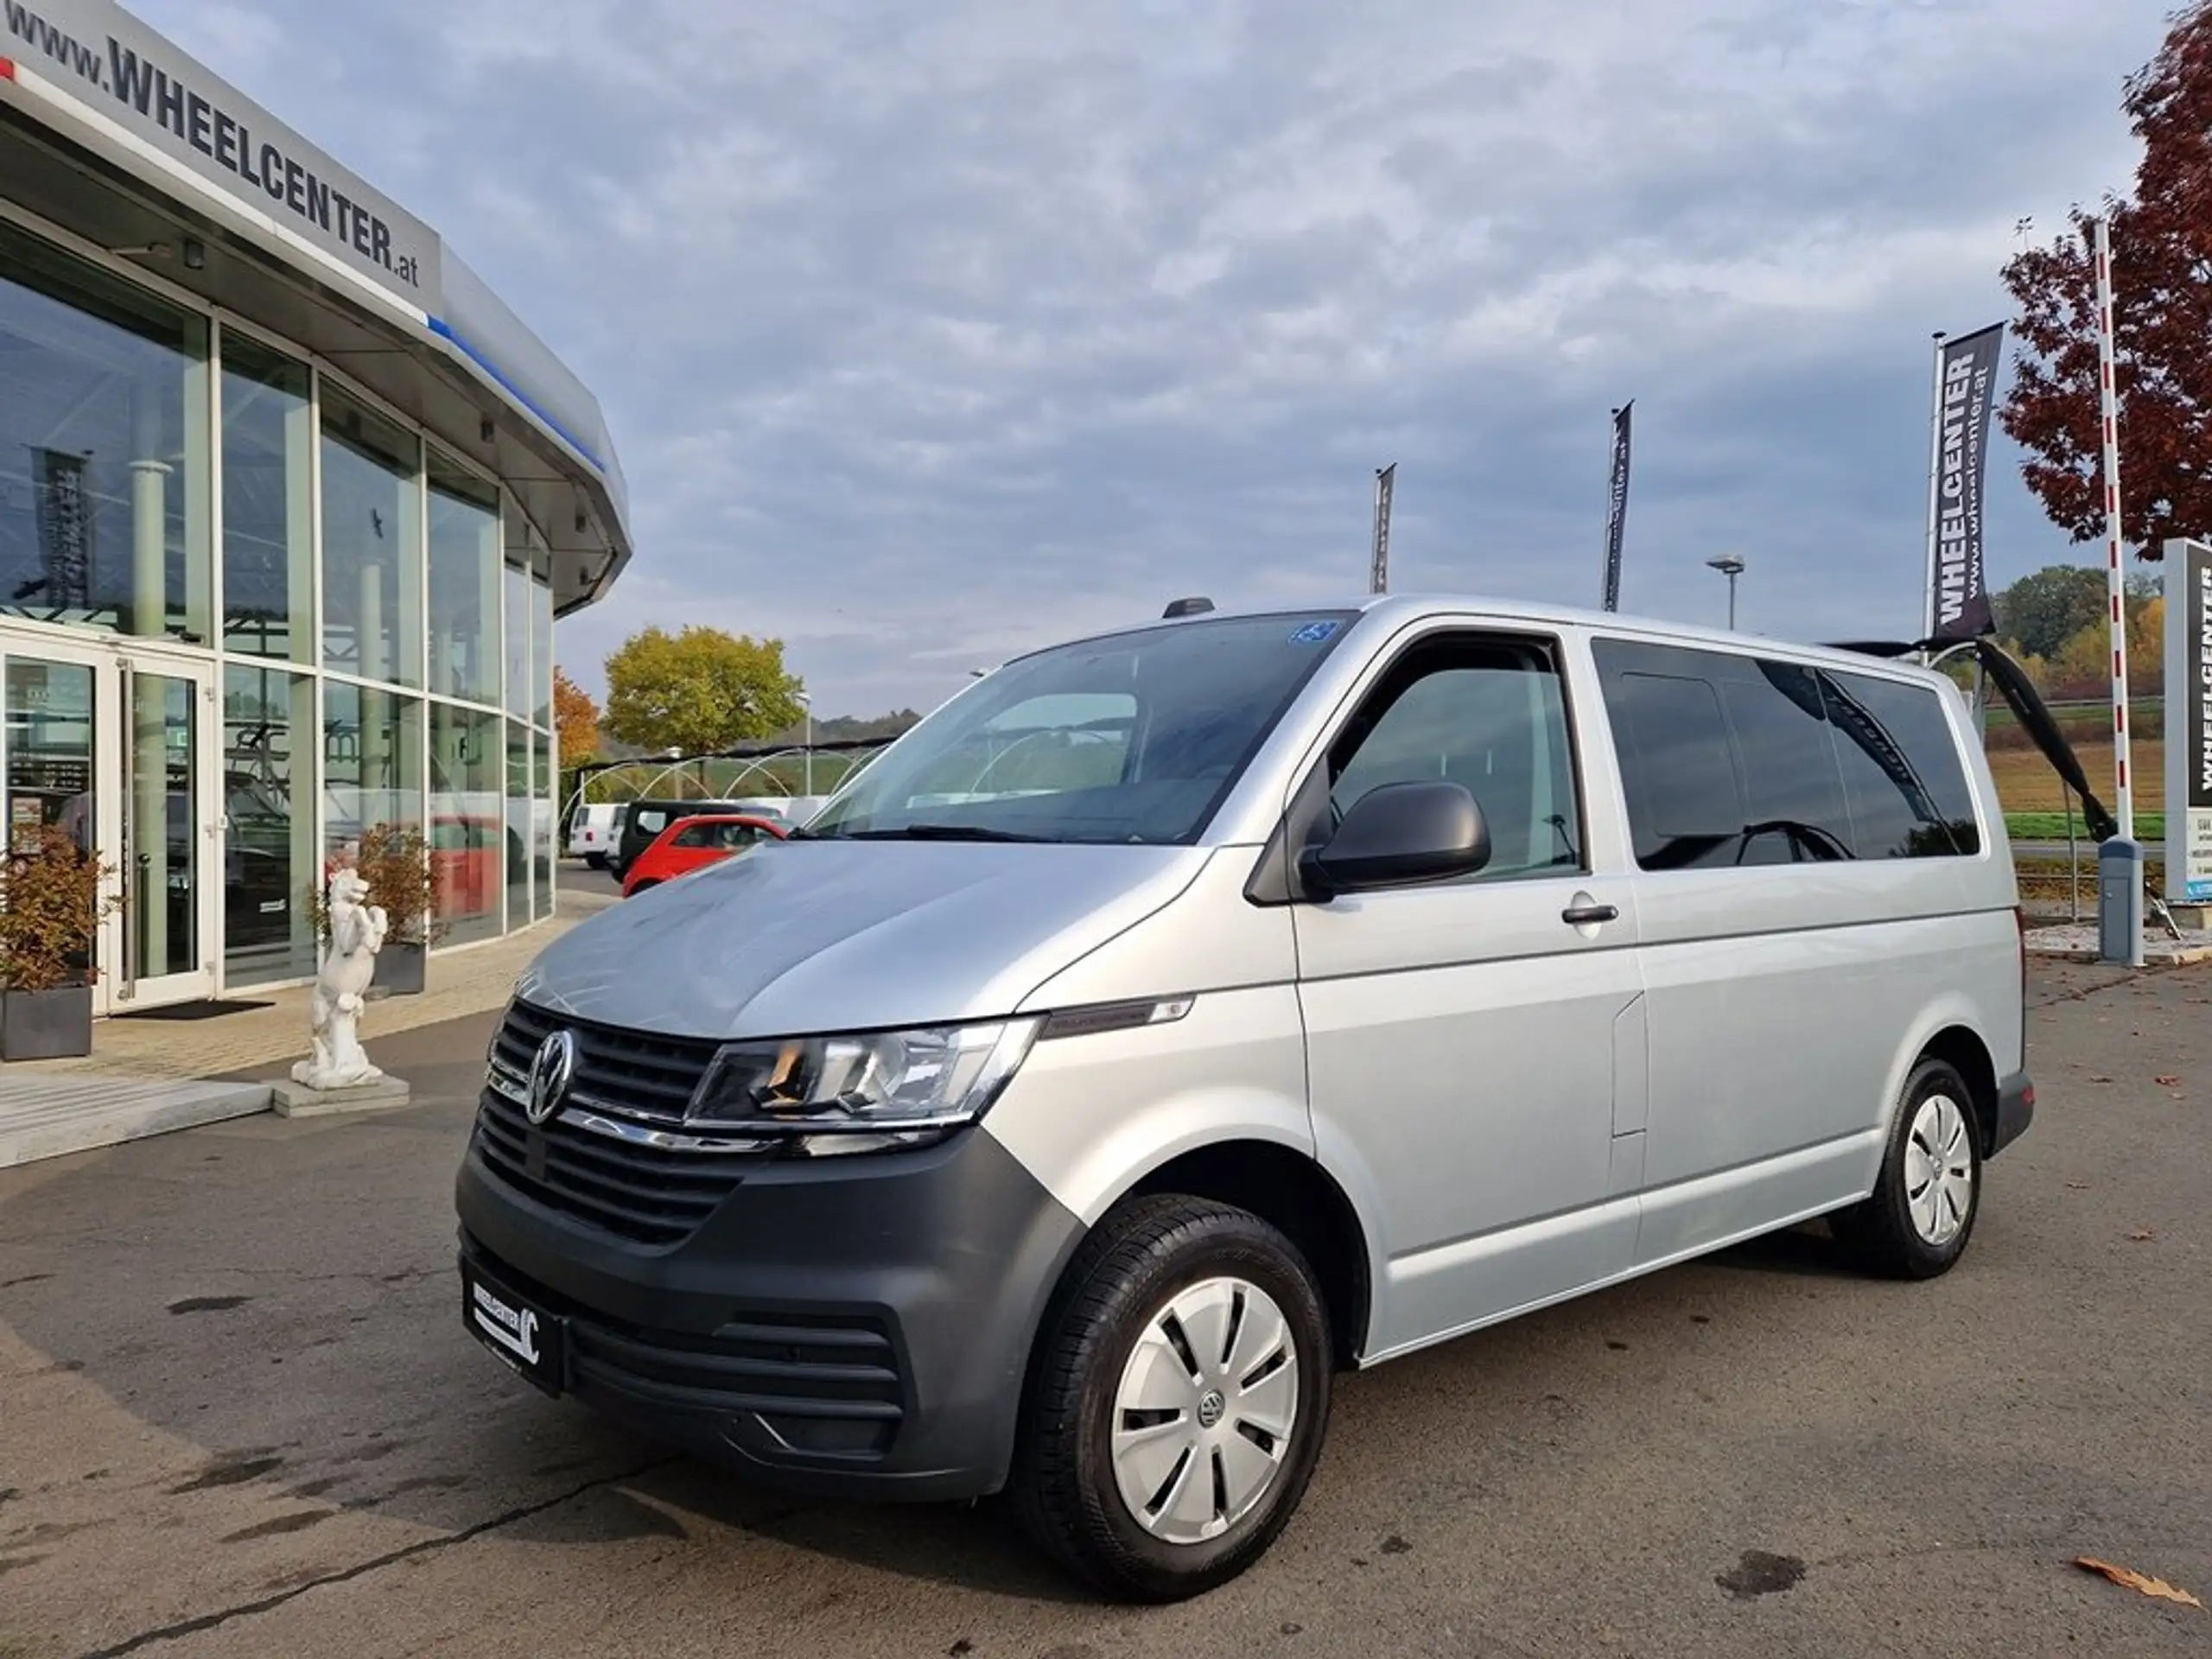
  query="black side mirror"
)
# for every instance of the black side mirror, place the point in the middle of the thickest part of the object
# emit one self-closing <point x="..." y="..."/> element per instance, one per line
<point x="1398" y="834"/>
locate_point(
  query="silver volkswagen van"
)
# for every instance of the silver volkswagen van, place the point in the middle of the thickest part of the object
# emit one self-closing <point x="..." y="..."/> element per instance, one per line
<point x="1178" y="1017"/>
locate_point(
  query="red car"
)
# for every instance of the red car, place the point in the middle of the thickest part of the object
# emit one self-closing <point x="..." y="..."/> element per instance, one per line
<point x="688" y="843"/>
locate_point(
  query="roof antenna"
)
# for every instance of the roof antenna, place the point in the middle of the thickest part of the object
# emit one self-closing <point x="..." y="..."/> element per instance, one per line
<point x="1196" y="605"/>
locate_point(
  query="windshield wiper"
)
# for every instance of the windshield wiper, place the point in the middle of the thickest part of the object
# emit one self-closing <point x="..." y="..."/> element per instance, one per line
<point x="939" y="832"/>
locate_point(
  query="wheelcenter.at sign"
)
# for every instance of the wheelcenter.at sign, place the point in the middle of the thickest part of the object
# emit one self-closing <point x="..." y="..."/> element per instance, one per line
<point x="2189" y="722"/>
<point x="1966" y="391"/>
<point x="99" y="55"/>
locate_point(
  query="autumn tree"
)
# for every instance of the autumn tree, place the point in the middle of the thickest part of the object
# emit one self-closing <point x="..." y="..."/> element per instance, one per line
<point x="576" y="720"/>
<point x="698" y="691"/>
<point x="2040" y="613"/>
<point x="2162" y="278"/>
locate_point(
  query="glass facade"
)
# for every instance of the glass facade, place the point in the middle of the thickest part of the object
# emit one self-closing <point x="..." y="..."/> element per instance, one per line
<point x="374" y="612"/>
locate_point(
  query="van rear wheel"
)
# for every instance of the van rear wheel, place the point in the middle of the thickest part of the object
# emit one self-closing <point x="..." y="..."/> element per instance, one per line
<point x="1916" y="1221"/>
<point x="1176" y="1400"/>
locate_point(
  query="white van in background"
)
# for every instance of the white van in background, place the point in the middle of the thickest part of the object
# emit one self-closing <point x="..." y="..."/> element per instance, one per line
<point x="593" y="833"/>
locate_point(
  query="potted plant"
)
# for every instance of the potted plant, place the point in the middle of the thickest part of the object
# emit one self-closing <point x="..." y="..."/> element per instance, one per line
<point x="395" y="860"/>
<point x="54" y="896"/>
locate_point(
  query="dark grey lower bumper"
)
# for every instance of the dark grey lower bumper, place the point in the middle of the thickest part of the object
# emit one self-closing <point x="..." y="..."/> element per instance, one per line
<point x="2016" y="1109"/>
<point x="840" y="1327"/>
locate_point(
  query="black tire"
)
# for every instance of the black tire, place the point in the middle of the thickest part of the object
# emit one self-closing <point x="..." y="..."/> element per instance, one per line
<point x="1063" y="1486"/>
<point x="594" y="860"/>
<point x="1880" y="1231"/>
<point x="642" y="887"/>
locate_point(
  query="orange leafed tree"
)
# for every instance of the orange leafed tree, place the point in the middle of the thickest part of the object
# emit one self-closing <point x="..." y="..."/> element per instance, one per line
<point x="2162" y="309"/>
<point x="576" y="720"/>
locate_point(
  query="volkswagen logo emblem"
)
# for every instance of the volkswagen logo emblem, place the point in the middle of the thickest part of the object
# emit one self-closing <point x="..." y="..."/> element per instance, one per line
<point x="551" y="1069"/>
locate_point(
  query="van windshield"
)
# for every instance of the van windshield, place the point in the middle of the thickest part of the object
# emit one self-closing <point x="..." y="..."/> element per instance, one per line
<point x="1134" y="737"/>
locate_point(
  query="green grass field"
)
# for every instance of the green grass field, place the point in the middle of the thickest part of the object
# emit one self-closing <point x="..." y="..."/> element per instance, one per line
<point x="2052" y="826"/>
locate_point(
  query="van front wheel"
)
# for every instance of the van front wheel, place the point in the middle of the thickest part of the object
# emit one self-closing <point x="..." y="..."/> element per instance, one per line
<point x="1177" y="1402"/>
<point x="1916" y="1221"/>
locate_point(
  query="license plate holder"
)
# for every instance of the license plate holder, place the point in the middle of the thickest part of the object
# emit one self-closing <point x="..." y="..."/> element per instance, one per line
<point x="531" y="1342"/>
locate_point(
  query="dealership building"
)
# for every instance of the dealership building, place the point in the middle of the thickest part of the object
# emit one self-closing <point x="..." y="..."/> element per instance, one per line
<point x="289" y="503"/>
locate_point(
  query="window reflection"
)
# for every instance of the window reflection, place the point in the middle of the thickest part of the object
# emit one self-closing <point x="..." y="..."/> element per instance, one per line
<point x="373" y="760"/>
<point x="269" y="851"/>
<point x="541" y="653"/>
<point x="465" y="596"/>
<point x="268" y="510"/>
<point x="48" y="744"/>
<point x="519" y="700"/>
<point x="541" y="830"/>
<point x="372" y="551"/>
<point x="465" y="820"/>
<point x="519" y="823"/>
<point x="105" y="481"/>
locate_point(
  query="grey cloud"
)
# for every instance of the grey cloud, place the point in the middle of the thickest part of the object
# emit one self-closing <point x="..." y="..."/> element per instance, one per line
<point x="931" y="332"/>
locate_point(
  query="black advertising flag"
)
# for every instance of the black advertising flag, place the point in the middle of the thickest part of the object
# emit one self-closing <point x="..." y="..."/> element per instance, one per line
<point x="64" y="529"/>
<point x="1617" y="506"/>
<point x="1966" y="395"/>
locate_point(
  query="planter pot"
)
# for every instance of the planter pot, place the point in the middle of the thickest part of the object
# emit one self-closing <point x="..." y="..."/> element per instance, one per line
<point x="400" y="967"/>
<point x="46" y="1025"/>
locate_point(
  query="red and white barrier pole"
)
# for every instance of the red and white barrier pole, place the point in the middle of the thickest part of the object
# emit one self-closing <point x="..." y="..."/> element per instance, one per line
<point x="2115" y="578"/>
<point x="2119" y="862"/>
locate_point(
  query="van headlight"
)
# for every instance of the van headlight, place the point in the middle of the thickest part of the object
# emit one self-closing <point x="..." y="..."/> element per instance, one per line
<point x="862" y="1093"/>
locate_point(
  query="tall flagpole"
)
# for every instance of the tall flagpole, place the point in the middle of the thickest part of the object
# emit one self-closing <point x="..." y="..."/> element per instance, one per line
<point x="1935" y="468"/>
<point x="1379" y="569"/>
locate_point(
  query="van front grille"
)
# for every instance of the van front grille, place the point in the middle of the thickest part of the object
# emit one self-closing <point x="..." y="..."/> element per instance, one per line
<point x="614" y="1156"/>
<point x="640" y="1074"/>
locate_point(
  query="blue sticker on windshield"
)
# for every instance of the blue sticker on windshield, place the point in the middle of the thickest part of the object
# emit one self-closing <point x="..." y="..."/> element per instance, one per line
<point x="1313" y="634"/>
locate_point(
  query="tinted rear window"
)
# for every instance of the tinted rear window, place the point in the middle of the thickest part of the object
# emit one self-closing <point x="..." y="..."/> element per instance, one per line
<point x="1730" y="761"/>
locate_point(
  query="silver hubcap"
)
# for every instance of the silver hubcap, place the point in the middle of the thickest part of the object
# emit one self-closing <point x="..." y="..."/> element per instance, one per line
<point x="1203" y="1417"/>
<point x="1939" y="1170"/>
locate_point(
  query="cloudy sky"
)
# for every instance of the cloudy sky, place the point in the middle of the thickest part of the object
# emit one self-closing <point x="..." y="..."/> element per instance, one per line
<point x="931" y="332"/>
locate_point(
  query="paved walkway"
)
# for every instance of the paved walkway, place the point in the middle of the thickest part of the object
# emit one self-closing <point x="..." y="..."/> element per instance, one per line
<point x="473" y="980"/>
<point x="2079" y="941"/>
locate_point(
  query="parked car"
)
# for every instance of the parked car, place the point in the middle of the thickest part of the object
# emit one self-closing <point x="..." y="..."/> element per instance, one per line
<point x="644" y="820"/>
<point x="593" y="831"/>
<point x="692" y="843"/>
<point x="1176" y="1019"/>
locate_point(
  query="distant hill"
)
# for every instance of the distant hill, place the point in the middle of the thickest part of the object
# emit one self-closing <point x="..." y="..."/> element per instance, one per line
<point x="842" y="729"/>
<point x="851" y="728"/>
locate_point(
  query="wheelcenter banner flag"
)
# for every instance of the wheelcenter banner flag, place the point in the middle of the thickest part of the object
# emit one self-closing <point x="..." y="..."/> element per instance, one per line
<point x="1966" y="393"/>
<point x="1617" y="506"/>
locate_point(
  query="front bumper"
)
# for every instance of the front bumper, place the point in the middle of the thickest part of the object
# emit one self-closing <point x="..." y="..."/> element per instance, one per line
<point x="2016" y="1109"/>
<point x="845" y="1327"/>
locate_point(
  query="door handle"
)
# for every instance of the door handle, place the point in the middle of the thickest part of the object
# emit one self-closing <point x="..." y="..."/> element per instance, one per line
<point x="1589" y="915"/>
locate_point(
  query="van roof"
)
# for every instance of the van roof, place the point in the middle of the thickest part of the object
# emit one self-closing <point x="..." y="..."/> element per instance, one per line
<point x="1411" y="607"/>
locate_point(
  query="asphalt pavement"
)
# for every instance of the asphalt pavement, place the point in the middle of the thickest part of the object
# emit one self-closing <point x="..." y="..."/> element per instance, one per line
<point x="238" y="1417"/>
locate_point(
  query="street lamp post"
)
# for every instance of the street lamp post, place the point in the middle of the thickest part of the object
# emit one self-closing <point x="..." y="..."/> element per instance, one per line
<point x="1731" y="566"/>
<point x="807" y="703"/>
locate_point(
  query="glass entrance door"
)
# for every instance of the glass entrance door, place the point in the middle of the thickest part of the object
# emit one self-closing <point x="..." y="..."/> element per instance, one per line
<point x="167" y="835"/>
<point x="57" y="749"/>
<point x="115" y="750"/>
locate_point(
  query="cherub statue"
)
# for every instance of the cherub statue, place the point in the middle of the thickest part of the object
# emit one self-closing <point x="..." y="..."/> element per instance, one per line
<point x="349" y="962"/>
